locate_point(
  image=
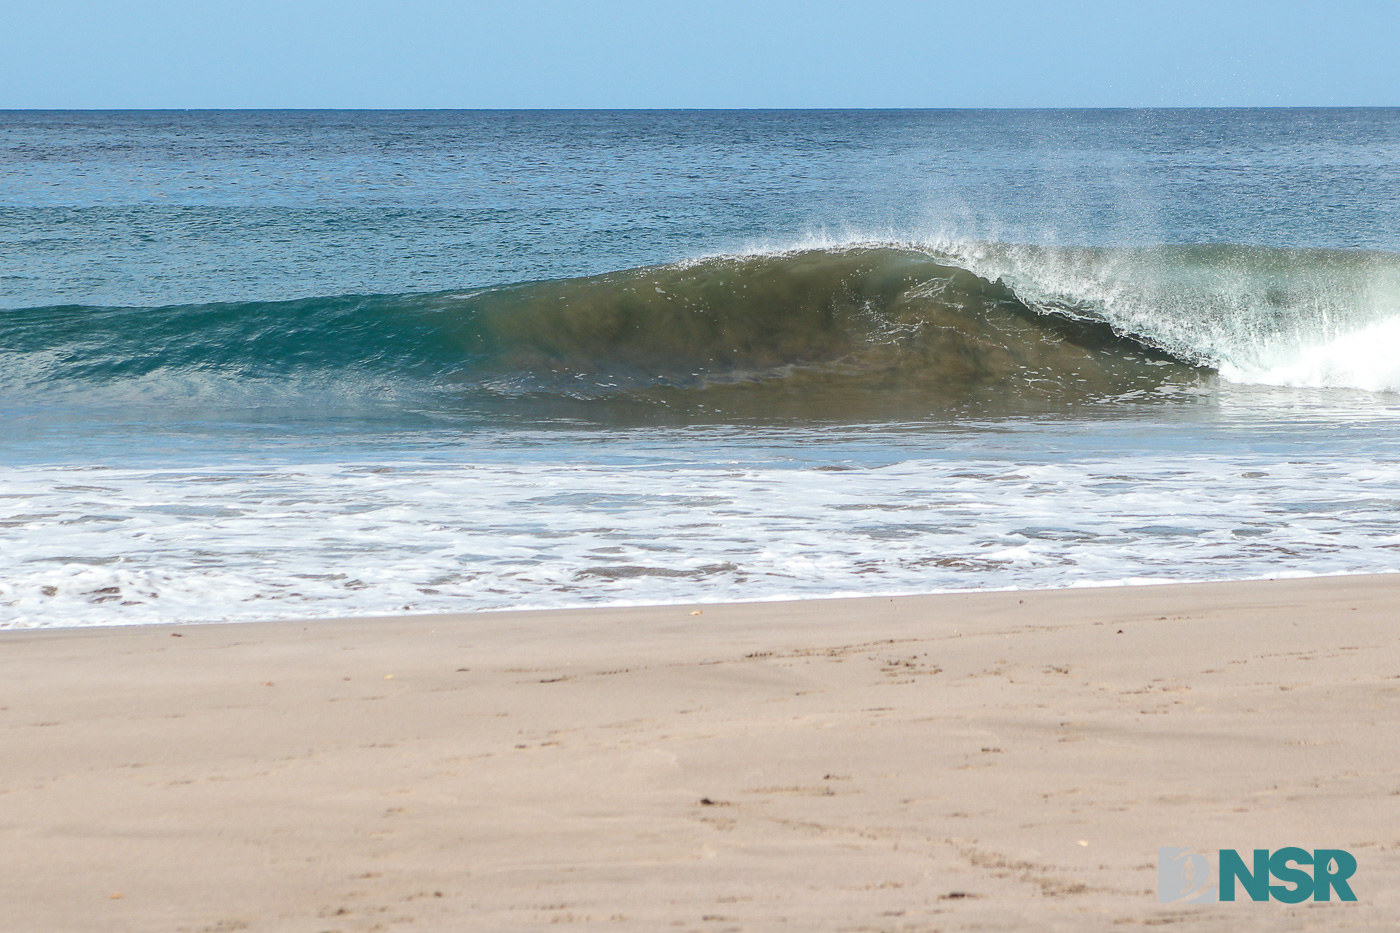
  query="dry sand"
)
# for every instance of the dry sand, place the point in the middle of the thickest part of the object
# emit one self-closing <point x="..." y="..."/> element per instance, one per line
<point x="1005" y="761"/>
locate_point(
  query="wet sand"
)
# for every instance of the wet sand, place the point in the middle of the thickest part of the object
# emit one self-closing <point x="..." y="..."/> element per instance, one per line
<point x="995" y="761"/>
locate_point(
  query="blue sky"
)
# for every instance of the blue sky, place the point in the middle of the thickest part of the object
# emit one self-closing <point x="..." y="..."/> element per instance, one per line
<point x="761" y="53"/>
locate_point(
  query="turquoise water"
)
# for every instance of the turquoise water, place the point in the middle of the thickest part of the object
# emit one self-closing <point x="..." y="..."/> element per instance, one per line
<point x="298" y="364"/>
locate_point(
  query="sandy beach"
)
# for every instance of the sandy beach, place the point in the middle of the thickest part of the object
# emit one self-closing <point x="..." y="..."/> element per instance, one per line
<point x="993" y="761"/>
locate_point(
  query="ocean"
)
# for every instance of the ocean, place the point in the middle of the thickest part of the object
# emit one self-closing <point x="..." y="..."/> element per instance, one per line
<point x="289" y="365"/>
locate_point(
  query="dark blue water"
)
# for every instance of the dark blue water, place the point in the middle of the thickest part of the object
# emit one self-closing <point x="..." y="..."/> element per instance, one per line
<point x="150" y="208"/>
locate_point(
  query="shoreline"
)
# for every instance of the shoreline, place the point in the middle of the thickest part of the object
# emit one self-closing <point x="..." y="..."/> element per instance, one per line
<point x="989" y="759"/>
<point x="507" y="611"/>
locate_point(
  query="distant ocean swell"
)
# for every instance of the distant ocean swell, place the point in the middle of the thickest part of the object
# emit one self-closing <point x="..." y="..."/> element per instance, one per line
<point x="846" y="325"/>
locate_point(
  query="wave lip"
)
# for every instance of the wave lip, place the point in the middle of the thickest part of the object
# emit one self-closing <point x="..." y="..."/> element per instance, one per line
<point x="1280" y="316"/>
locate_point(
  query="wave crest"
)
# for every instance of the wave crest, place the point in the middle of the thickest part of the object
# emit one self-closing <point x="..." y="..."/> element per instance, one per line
<point x="849" y="324"/>
<point x="875" y="328"/>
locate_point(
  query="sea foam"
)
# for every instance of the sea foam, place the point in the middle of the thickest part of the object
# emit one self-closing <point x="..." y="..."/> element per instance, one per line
<point x="1368" y="358"/>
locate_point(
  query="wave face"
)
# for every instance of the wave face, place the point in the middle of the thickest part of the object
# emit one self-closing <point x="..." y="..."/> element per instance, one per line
<point x="839" y="330"/>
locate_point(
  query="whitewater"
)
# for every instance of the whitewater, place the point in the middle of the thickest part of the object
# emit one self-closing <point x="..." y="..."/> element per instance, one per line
<point x="271" y="365"/>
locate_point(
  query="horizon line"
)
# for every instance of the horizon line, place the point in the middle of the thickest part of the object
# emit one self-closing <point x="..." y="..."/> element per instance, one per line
<point x="885" y="109"/>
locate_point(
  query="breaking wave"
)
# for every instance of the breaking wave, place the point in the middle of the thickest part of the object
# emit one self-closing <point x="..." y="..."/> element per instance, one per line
<point x="838" y="329"/>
